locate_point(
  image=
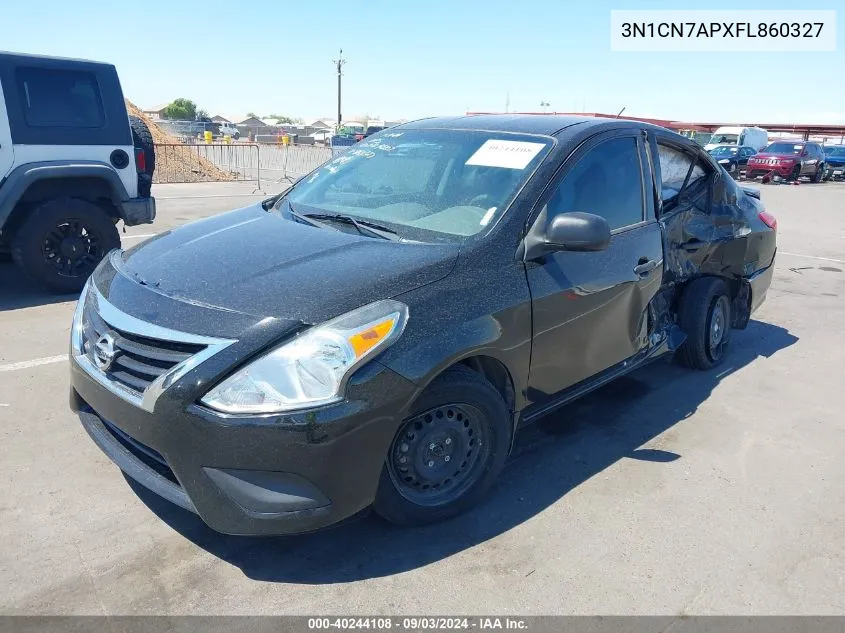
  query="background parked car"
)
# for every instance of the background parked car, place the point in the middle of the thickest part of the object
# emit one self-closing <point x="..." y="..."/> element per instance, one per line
<point x="789" y="159"/>
<point x="834" y="158"/>
<point x="732" y="157"/>
<point x="373" y="129"/>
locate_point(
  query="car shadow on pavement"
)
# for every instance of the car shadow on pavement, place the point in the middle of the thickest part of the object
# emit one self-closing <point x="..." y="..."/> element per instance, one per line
<point x="551" y="457"/>
<point x="17" y="291"/>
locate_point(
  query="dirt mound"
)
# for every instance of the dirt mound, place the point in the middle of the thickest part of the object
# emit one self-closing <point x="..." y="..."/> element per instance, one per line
<point x="175" y="161"/>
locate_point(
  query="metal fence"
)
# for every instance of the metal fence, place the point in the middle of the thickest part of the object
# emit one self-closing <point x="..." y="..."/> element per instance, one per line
<point x="218" y="162"/>
<point x="221" y="162"/>
<point x="289" y="162"/>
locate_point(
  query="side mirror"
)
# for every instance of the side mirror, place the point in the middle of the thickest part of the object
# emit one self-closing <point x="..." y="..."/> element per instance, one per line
<point x="577" y="231"/>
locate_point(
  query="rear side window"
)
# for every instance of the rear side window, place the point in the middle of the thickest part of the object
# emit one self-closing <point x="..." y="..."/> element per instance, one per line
<point x="60" y="98"/>
<point x="607" y="181"/>
<point x="674" y="167"/>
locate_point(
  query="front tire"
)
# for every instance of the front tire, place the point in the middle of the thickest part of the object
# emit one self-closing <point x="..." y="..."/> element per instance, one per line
<point x="796" y="173"/>
<point x="61" y="242"/>
<point x="705" y="317"/>
<point x="819" y="175"/>
<point x="447" y="454"/>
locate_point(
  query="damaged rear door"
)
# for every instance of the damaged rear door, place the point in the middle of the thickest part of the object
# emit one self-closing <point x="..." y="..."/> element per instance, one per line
<point x="590" y="308"/>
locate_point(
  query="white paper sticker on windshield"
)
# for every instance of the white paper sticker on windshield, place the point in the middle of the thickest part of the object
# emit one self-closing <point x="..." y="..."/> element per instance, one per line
<point x="507" y="154"/>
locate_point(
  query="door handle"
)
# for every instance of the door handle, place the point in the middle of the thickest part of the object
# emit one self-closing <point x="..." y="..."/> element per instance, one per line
<point x="645" y="266"/>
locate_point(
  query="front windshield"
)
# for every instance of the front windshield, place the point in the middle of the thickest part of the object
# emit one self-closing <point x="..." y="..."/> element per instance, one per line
<point x="426" y="185"/>
<point x="837" y="150"/>
<point x="724" y="139"/>
<point x="784" y="148"/>
<point x="724" y="152"/>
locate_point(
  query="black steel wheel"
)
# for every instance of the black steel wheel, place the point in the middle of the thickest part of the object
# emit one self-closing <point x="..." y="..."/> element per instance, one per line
<point x="447" y="454"/>
<point x="61" y="242"/>
<point x="718" y="328"/>
<point x="436" y="455"/>
<point x="705" y="317"/>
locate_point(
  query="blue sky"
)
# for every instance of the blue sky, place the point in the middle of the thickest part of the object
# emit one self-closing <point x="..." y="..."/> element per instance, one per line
<point x="412" y="59"/>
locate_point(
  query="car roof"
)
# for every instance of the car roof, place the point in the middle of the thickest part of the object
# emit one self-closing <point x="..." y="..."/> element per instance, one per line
<point x="546" y="124"/>
<point x="21" y="57"/>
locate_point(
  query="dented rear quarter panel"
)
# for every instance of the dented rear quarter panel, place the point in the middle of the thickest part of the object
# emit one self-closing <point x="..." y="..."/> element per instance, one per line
<point x="716" y="232"/>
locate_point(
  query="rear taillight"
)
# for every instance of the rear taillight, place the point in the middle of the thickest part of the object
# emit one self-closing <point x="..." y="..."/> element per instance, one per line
<point x="140" y="160"/>
<point x="769" y="220"/>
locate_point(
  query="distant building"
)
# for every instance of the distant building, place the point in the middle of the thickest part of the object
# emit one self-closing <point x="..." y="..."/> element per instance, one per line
<point x="219" y="118"/>
<point x="156" y="113"/>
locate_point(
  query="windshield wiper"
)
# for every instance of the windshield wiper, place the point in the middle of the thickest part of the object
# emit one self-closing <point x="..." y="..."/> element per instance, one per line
<point x="364" y="227"/>
<point x="305" y="219"/>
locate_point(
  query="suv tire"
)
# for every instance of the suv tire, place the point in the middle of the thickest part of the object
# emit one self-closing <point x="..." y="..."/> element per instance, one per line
<point x="704" y="316"/>
<point x="465" y="418"/>
<point x="142" y="139"/>
<point x="62" y="240"/>
<point x="820" y="172"/>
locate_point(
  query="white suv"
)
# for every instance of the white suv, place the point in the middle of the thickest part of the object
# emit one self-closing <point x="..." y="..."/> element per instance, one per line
<point x="73" y="164"/>
<point x="229" y="129"/>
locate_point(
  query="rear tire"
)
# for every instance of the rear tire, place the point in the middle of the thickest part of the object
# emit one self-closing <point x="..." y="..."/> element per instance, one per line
<point x="466" y="421"/>
<point x="61" y="242"/>
<point x="705" y="317"/>
<point x="142" y="139"/>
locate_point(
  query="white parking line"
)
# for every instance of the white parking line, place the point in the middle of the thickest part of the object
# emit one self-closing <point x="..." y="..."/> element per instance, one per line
<point x="216" y="195"/>
<point x="824" y="259"/>
<point x="139" y="237"/>
<point x="26" y="364"/>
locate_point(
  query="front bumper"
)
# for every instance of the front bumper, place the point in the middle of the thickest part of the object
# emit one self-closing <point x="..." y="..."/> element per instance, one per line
<point x="753" y="170"/>
<point x="280" y="474"/>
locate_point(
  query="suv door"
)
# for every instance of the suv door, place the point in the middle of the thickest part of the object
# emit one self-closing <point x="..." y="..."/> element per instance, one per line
<point x="808" y="160"/>
<point x="589" y="308"/>
<point x="7" y="156"/>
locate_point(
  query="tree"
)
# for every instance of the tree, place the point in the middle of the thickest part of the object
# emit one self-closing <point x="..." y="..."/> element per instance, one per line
<point x="181" y="110"/>
<point x="202" y="114"/>
<point x="252" y="115"/>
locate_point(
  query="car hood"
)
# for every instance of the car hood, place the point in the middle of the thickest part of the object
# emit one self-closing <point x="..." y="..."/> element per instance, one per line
<point x="772" y="155"/>
<point x="835" y="160"/>
<point x="261" y="264"/>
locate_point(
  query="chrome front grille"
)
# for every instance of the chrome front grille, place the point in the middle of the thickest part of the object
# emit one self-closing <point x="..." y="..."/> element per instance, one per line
<point x="133" y="359"/>
<point x="137" y="360"/>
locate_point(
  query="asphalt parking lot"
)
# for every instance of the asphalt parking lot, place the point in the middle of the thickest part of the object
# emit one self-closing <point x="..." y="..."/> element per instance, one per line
<point x="667" y="492"/>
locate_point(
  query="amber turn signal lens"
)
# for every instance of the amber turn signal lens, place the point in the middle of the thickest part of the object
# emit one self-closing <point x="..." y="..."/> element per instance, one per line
<point x="362" y="342"/>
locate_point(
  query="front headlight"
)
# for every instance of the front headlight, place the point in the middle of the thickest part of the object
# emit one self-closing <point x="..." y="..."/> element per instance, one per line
<point x="312" y="369"/>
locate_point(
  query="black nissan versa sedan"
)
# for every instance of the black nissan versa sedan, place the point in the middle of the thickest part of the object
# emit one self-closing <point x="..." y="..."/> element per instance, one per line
<point x="376" y="335"/>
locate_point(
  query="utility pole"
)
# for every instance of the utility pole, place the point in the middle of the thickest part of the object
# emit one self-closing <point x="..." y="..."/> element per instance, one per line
<point x="339" y="62"/>
<point x="544" y="105"/>
<point x="507" y="101"/>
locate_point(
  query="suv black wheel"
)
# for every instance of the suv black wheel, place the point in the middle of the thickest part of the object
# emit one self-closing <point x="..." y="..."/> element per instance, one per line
<point x="796" y="173"/>
<point x="705" y="317"/>
<point x="61" y="242"/>
<point x="142" y="139"/>
<point x="819" y="175"/>
<point x="447" y="454"/>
